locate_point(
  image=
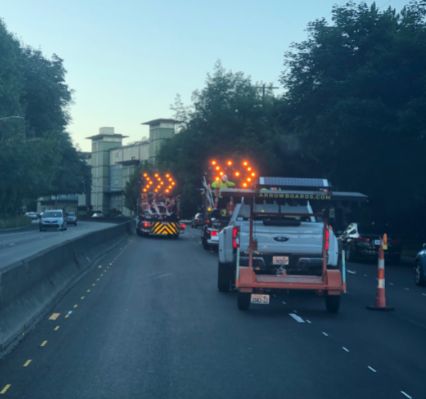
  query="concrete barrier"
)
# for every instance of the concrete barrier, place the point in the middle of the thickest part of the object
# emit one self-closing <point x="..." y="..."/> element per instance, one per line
<point x="29" y="288"/>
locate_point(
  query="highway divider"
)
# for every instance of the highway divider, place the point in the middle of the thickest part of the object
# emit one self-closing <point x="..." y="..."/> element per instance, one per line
<point x="29" y="288"/>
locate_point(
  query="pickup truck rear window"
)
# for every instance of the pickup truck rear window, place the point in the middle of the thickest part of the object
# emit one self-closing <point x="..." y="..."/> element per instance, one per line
<point x="275" y="213"/>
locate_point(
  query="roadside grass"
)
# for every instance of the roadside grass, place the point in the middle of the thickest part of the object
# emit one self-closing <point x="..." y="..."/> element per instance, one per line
<point x="10" y="222"/>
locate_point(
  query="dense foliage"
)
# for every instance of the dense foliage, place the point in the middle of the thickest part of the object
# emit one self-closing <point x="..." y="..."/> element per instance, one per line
<point x="354" y="110"/>
<point x="36" y="154"/>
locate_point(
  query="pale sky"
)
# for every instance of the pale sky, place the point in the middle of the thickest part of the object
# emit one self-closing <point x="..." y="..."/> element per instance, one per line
<point x="127" y="60"/>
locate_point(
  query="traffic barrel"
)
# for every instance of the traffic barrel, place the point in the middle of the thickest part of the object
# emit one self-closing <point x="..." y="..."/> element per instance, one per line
<point x="381" y="291"/>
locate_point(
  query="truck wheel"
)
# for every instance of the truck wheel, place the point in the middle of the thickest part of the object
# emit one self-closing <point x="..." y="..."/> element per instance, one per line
<point x="206" y="246"/>
<point x="332" y="303"/>
<point x="243" y="300"/>
<point x="224" y="277"/>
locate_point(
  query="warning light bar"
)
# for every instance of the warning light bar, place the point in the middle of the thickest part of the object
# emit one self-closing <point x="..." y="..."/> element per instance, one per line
<point x="240" y="172"/>
<point x="157" y="183"/>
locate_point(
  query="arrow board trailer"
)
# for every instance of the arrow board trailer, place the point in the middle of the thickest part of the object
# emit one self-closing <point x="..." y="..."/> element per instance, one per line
<point x="279" y="239"/>
<point x="158" y="207"/>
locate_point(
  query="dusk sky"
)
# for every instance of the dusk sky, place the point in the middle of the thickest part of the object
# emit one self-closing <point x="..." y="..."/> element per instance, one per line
<point x="128" y="60"/>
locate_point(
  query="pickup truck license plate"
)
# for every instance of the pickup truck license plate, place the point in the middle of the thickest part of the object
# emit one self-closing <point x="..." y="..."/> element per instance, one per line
<point x="260" y="299"/>
<point x="280" y="260"/>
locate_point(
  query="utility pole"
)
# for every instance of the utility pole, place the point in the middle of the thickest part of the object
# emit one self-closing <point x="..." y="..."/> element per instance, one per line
<point x="263" y="87"/>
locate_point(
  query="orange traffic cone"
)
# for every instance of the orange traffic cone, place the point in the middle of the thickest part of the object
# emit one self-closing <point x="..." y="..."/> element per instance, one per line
<point x="380" y="293"/>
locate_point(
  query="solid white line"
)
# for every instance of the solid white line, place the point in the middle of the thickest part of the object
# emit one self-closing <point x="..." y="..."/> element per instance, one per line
<point x="345" y="349"/>
<point x="406" y="395"/>
<point x="308" y="321"/>
<point x="296" y="317"/>
<point x="372" y="369"/>
<point x="351" y="271"/>
<point x="324" y="333"/>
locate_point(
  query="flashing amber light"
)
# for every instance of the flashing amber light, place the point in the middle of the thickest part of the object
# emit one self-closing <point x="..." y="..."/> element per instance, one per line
<point x="217" y="178"/>
<point x="245" y="185"/>
<point x="145" y="175"/>
<point x="249" y="169"/>
<point x="221" y="173"/>
<point x="253" y="174"/>
<point x="156" y="175"/>
<point x="217" y="167"/>
<point x="249" y="179"/>
<point x="214" y="162"/>
<point x="237" y="174"/>
<point x="229" y="163"/>
<point x="245" y="163"/>
<point x="167" y="175"/>
<point x="167" y="190"/>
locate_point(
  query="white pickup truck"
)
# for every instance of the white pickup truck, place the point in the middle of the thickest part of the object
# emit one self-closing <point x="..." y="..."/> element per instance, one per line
<point x="289" y="239"/>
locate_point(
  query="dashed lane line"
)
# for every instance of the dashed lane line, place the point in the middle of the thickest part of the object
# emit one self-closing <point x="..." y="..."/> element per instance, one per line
<point x="351" y="271"/>
<point x="82" y="297"/>
<point x="75" y="306"/>
<point x="296" y="317"/>
<point x="345" y="349"/>
<point x="68" y="314"/>
<point x="5" y="389"/>
<point x="372" y="369"/>
<point x="43" y="344"/>
<point x="406" y="395"/>
<point x="56" y="328"/>
<point x="54" y="316"/>
<point x="27" y="363"/>
<point x="308" y="321"/>
<point x="324" y="333"/>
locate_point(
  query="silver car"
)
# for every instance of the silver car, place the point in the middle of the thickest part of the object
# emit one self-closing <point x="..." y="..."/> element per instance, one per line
<point x="53" y="219"/>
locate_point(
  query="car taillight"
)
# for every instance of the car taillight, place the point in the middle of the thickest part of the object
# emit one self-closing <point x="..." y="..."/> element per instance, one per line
<point x="182" y="226"/>
<point x="147" y="225"/>
<point x="235" y="238"/>
<point x="327" y="238"/>
<point x="213" y="233"/>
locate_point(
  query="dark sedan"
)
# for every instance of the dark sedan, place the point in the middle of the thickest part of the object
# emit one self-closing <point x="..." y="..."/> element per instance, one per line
<point x="363" y="242"/>
<point x="421" y="267"/>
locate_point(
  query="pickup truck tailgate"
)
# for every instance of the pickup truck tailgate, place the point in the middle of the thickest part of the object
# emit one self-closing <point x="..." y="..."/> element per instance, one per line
<point x="304" y="239"/>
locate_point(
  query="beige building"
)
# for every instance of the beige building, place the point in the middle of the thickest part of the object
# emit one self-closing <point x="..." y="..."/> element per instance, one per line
<point x="113" y="163"/>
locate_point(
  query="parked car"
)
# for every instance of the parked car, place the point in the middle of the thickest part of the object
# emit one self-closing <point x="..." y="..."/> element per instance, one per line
<point x="363" y="241"/>
<point x="72" y="218"/>
<point x="53" y="219"/>
<point x="421" y="267"/>
<point x="197" y="221"/>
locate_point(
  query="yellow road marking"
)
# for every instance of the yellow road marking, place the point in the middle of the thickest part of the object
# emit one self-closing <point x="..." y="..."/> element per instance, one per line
<point x="54" y="316"/>
<point x="5" y="389"/>
<point x="57" y="328"/>
<point x="27" y="363"/>
<point x="75" y="306"/>
<point x="43" y="344"/>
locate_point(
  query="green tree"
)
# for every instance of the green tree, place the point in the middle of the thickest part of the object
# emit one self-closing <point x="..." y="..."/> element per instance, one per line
<point x="356" y="101"/>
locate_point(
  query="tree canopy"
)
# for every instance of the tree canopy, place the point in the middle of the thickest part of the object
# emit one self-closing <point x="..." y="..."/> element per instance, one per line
<point x="36" y="153"/>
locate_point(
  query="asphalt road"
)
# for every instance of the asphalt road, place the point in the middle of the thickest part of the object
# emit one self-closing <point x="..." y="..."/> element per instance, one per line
<point x="16" y="246"/>
<point x="148" y="322"/>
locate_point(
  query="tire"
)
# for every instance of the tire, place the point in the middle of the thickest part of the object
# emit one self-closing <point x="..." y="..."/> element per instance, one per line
<point x="332" y="303"/>
<point x="224" y="277"/>
<point x="205" y="244"/>
<point x="243" y="300"/>
<point x="420" y="279"/>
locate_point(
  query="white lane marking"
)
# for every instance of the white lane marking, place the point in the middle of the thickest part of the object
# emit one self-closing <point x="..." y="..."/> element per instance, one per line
<point x="284" y="302"/>
<point x="308" y="321"/>
<point x="345" y="349"/>
<point x="372" y="369"/>
<point x="406" y="395"/>
<point x="111" y="263"/>
<point x="100" y="267"/>
<point x="68" y="314"/>
<point x="351" y="271"/>
<point x="296" y="317"/>
<point x="324" y="333"/>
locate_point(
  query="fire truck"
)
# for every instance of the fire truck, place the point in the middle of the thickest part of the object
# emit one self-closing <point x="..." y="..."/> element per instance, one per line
<point x="158" y="207"/>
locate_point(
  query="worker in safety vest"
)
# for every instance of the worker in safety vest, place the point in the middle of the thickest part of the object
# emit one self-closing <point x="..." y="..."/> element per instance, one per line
<point x="223" y="183"/>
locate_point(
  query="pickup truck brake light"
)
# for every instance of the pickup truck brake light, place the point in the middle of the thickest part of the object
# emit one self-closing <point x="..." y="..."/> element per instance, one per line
<point x="147" y="225"/>
<point x="327" y="238"/>
<point x="235" y="238"/>
<point x="213" y="233"/>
